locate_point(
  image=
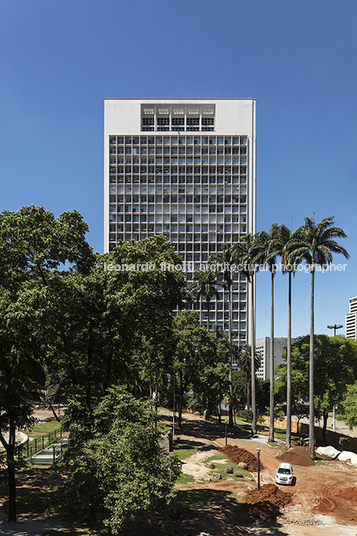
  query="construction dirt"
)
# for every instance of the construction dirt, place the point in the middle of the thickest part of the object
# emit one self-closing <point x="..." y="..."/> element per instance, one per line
<point x="267" y="501"/>
<point x="322" y="501"/>
<point x="296" y="456"/>
<point x="236" y="455"/>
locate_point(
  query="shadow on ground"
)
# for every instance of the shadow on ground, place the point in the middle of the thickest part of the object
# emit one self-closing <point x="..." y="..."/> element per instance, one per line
<point x="207" y="430"/>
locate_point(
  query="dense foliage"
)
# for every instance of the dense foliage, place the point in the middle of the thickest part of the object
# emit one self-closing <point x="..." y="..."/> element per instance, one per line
<point x="335" y="361"/>
<point x="117" y="468"/>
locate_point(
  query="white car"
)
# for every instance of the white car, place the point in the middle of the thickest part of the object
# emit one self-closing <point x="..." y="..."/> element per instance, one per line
<point x="284" y="474"/>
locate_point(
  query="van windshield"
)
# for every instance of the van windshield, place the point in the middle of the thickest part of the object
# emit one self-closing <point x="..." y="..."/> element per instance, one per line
<point x="284" y="471"/>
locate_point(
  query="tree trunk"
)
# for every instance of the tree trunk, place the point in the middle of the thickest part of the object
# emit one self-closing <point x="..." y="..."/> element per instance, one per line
<point x="271" y="363"/>
<point x="252" y="331"/>
<point x="180" y="402"/>
<point x="10" y="455"/>
<point x="230" y="419"/>
<point x="288" y="373"/>
<point x="54" y="412"/>
<point x="324" y="426"/>
<point x="248" y="393"/>
<point x="311" y="371"/>
<point x="208" y="308"/>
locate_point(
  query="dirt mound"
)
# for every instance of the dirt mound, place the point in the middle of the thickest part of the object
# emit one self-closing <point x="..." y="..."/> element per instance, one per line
<point x="236" y="455"/>
<point x="348" y="493"/>
<point x="297" y="456"/>
<point x="267" y="501"/>
<point x="339" y="502"/>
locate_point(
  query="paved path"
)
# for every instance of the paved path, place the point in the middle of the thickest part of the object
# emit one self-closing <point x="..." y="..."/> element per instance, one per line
<point x="340" y="426"/>
<point x="28" y="527"/>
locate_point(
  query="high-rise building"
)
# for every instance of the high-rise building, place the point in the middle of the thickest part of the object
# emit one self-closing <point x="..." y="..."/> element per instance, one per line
<point x="351" y="320"/>
<point x="185" y="168"/>
<point x="262" y="347"/>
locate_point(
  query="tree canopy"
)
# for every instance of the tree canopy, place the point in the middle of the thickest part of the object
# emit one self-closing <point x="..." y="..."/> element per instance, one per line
<point x="335" y="365"/>
<point x="117" y="468"/>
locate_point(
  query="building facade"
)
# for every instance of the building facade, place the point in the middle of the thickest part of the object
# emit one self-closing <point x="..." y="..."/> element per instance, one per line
<point x="184" y="168"/>
<point x="263" y="348"/>
<point x="351" y="320"/>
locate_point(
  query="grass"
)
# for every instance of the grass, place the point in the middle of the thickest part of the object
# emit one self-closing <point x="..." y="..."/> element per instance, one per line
<point x="185" y="479"/>
<point x="184" y="449"/>
<point x="199" y="499"/>
<point x="42" y="428"/>
<point x="30" y="501"/>
<point x="219" y="467"/>
<point x="320" y="462"/>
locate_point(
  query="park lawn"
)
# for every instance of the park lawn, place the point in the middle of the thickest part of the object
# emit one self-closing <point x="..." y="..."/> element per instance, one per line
<point x="185" y="479"/>
<point x="219" y="467"/>
<point x="183" y="449"/>
<point x="42" y="428"/>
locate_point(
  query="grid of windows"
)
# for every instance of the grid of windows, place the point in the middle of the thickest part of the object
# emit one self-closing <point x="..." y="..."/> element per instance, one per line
<point x="192" y="189"/>
<point x="177" y="118"/>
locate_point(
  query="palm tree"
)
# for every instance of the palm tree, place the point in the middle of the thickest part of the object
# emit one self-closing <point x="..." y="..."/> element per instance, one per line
<point x="226" y="258"/>
<point x="313" y="242"/>
<point x="289" y="264"/>
<point x="244" y="255"/>
<point x="270" y="246"/>
<point x="204" y="284"/>
<point x="244" y="363"/>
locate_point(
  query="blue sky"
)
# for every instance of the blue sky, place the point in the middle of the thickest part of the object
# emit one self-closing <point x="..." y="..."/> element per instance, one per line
<point x="60" y="58"/>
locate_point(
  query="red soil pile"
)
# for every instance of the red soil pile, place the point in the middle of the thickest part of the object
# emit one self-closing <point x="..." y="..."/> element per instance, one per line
<point x="236" y="455"/>
<point x="296" y="456"/>
<point x="348" y="493"/>
<point x="340" y="502"/>
<point x="267" y="501"/>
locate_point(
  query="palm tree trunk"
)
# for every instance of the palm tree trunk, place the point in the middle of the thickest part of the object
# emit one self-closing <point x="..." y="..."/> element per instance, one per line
<point x="248" y="393"/>
<point x="230" y="418"/>
<point x="288" y="373"/>
<point x="324" y="426"/>
<point x="252" y="331"/>
<point x="208" y="308"/>
<point x="271" y="363"/>
<point x="179" y="423"/>
<point x="311" y="372"/>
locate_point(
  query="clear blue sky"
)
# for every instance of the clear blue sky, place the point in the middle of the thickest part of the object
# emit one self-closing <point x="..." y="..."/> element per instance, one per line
<point x="60" y="58"/>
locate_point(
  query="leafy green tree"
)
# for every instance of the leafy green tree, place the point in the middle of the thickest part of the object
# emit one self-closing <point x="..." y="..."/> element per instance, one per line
<point x="335" y="361"/>
<point x="34" y="245"/>
<point x="314" y="243"/>
<point x="21" y="377"/>
<point x="201" y="364"/>
<point x="239" y="383"/>
<point x="226" y="259"/>
<point x="349" y="405"/>
<point x="212" y="383"/>
<point x="114" y="325"/>
<point x="116" y="467"/>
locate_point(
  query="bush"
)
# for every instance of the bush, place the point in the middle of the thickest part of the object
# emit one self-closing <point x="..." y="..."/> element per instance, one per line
<point x="246" y="414"/>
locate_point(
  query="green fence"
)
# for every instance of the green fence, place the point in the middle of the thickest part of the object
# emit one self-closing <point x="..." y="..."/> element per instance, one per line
<point x="39" y="443"/>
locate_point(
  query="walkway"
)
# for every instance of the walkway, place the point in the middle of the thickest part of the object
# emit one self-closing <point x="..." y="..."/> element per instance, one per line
<point x="28" y="527"/>
<point x="340" y="426"/>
